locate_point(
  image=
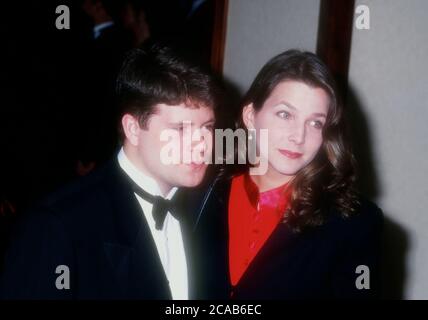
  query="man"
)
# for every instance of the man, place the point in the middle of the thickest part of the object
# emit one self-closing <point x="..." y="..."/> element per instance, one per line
<point x="114" y="234"/>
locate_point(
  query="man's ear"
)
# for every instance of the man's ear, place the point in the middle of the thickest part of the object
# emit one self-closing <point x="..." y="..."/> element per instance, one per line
<point x="248" y="116"/>
<point x="131" y="128"/>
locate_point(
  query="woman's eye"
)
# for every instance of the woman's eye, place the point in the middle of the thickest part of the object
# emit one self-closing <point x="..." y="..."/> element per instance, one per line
<point x="283" y="114"/>
<point x="316" y="124"/>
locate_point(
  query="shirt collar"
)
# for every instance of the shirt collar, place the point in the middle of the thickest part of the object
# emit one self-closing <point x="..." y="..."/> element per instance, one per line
<point x="100" y="27"/>
<point x="277" y="197"/>
<point x="140" y="178"/>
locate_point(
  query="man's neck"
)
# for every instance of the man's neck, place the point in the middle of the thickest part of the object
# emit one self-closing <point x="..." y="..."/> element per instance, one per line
<point x="132" y="157"/>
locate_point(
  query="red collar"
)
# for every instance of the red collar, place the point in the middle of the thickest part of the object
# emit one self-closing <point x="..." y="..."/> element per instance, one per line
<point x="273" y="198"/>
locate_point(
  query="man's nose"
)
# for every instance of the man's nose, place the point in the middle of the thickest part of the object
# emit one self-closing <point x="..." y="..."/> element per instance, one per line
<point x="201" y="139"/>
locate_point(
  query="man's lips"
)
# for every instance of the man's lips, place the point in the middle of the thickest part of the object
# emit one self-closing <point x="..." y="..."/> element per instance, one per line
<point x="196" y="166"/>
<point x="290" y="154"/>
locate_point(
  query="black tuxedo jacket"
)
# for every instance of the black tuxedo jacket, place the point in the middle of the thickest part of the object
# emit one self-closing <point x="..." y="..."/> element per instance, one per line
<point x="96" y="228"/>
<point x="319" y="263"/>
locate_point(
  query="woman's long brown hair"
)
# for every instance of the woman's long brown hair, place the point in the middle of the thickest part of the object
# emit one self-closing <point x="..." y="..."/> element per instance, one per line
<point x="328" y="182"/>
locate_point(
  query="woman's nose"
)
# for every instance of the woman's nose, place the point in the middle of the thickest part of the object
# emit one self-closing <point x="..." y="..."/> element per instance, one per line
<point x="297" y="134"/>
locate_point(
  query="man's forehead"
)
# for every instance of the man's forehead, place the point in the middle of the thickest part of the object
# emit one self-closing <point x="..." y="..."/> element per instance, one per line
<point x="182" y="110"/>
<point x="188" y="104"/>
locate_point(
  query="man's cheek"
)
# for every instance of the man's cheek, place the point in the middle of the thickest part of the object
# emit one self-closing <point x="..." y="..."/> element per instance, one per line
<point x="209" y="145"/>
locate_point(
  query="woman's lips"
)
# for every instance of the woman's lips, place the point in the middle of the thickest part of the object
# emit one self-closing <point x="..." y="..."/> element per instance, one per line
<point x="290" y="154"/>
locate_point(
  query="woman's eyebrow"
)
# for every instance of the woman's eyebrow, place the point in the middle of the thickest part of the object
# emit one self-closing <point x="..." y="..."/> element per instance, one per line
<point x="319" y="114"/>
<point x="287" y="104"/>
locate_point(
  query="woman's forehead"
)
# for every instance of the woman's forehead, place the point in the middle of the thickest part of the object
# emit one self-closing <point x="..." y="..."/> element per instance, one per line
<point x="299" y="96"/>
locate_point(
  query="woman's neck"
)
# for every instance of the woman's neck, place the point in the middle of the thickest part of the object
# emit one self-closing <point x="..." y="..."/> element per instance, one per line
<point x="271" y="180"/>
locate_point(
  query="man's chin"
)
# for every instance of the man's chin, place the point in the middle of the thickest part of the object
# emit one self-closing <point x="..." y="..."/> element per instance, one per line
<point x="192" y="181"/>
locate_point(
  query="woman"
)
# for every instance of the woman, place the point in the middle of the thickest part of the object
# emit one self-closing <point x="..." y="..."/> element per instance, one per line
<point x="298" y="230"/>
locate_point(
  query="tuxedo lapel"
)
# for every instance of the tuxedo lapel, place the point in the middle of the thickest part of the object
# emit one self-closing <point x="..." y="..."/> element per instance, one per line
<point x="190" y="204"/>
<point x="213" y="203"/>
<point x="210" y="232"/>
<point x="186" y="233"/>
<point x="147" y="276"/>
<point x="133" y="256"/>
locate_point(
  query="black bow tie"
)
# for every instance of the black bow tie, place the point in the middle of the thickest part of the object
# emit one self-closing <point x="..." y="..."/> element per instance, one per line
<point x="161" y="206"/>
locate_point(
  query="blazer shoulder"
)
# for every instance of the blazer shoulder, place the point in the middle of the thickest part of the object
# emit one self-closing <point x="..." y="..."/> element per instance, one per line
<point x="77" y="190"/>
<point x="366" y="221"/>
<point x="368" y="213"/>
<point x="82" y="198"/>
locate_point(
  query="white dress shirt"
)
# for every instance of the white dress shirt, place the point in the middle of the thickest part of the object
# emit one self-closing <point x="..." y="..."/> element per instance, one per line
<point x="169" y="241"/>
<point x="100" y="27"/>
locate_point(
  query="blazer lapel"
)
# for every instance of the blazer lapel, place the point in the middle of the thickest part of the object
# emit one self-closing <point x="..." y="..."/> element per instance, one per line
<point x="279" y="244"/>
<point x="214" y="212"/>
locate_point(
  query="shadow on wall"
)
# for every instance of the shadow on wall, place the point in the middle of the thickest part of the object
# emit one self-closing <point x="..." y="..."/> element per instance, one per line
<point x="231" y="107"/>
<point x="395" y="240"/>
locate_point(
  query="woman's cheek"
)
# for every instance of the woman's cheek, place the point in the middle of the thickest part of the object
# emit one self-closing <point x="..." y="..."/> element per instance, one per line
<point x="315" y="141"/>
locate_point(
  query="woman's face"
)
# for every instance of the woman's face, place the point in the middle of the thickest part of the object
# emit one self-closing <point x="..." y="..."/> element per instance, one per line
<point x="294" y="115"/>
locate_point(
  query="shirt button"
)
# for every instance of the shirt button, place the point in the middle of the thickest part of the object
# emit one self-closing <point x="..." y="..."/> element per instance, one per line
<point x="252" y="245"/>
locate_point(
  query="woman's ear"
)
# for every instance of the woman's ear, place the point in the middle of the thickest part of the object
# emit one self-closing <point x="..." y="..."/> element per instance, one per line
<point x="248" y="116"/>
<point x="131" y="129"/>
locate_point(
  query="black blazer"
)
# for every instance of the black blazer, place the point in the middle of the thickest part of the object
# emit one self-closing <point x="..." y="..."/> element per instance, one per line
<point x="319" y="263"/>
<point x="97" y="229"/>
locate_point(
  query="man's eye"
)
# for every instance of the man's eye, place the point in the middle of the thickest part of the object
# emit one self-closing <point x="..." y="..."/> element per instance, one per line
<point x="180" y="126"/>
<point x="209" y="127"/>
<point x="317" y="124"/>
<point x="283" y="114"/>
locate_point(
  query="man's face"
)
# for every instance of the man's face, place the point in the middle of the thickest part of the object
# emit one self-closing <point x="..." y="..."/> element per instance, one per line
<point x="168" y="134"/>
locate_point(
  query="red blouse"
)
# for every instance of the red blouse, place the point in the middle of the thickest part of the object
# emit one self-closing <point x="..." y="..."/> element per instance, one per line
<point x="252" y="218"/>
